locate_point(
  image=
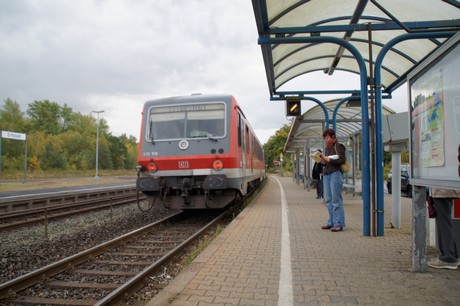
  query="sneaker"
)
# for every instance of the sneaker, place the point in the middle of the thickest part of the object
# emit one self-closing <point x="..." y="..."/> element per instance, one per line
<point x="337" y="229"/>
<point x="439" y="264"/>
<point x="326" y="227"/>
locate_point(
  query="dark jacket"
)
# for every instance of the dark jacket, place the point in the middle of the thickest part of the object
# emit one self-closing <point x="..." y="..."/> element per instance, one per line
<point x="317" y="170"/>
<point x="334" y="164"/>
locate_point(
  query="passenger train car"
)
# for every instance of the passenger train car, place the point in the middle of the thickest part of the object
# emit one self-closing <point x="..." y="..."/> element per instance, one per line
<point x="197" y="152"/>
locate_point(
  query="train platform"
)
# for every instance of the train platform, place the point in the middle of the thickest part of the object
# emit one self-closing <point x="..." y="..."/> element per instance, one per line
<point x="275" y="253"/>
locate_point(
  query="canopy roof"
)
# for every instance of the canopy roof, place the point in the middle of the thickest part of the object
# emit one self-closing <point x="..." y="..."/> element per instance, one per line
<point x="362" y="23"/>
<point x="380" y="40"/>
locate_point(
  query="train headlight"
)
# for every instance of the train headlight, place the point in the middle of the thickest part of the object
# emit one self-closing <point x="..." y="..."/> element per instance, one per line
<point x="152" y="167"/>
<point x="217" y="165"/>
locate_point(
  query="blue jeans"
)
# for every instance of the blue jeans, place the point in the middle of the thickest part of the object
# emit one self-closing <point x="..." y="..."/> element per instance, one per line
<point x="332" y="184"/>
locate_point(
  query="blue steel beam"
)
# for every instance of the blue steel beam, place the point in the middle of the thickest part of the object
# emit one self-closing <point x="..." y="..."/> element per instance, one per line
<point x="364" y="109"/>
<point x="282" y="94"/>
<point x="336" y="110"/>
<point x="359" y="9"/>
<point x="326" y="113"/>
<point x="303" y="97"/>
<point x="422" y="25"/>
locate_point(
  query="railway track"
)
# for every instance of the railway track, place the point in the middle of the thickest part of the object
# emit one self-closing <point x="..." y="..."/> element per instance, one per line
<point x="109" y="272"/>
<point x="35" y="215"/>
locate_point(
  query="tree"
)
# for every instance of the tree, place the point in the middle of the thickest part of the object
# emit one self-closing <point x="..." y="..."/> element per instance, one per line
<point x="58" y="138"/>
<point x="49" y="116"/>
<point x="12" y="118"/>
<point x="130" y="145"/>
<point x="105" y="156"/>
<point x="78" y="148"/>
<point x="67" y="118"/>
<point x="118" y="151"/>
<point x="83" y="124"/>
<point x="126" y="156"/>
<point x="275" y="145"/>
<point x="53" y="157"/>
<point x="36" y="142"/>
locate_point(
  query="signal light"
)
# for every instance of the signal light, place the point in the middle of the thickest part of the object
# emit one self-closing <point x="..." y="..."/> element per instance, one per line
<point x="217" y="165"/>
<point x="152" y="167"/>
<point x="293" y="107"/>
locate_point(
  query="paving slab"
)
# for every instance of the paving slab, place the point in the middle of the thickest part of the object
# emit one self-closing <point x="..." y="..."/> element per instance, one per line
<point x="247" y="265"/>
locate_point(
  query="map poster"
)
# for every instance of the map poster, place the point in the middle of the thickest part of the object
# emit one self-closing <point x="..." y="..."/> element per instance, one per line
<point x="434" y="107"/>
<point x="428" y="120"/>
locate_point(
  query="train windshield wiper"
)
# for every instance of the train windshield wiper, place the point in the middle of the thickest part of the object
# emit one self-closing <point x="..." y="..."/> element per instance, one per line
<point x="151" y="132"/>
<point x="211" y="137"/>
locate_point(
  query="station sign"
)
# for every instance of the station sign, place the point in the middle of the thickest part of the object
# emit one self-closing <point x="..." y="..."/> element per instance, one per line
<point x="13" y="135"/>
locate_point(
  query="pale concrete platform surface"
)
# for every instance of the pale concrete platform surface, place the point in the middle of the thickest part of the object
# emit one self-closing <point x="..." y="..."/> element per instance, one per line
<point x="243" y="265"/>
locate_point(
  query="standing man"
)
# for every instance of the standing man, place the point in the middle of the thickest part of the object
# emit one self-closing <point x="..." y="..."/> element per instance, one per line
<point x="334" y="156"/>
<point x="448" y="256"/>
<point x="317" y="174"/>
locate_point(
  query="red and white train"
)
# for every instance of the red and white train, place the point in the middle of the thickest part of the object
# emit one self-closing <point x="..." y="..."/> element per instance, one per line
<point x="197" y="152"/>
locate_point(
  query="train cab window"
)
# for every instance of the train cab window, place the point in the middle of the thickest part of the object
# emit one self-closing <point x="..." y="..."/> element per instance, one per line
<point x="164" y="125"/>
<point x="187" y="121"/>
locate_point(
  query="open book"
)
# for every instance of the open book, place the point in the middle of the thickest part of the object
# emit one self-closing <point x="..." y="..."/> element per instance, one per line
<point x="316" y="156"/>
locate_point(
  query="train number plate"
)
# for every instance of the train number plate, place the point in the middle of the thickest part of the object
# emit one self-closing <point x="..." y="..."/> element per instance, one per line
<point x="183" y="164"/>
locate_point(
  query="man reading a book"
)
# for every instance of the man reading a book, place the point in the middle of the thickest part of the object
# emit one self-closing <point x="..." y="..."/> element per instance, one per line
<point x="333" y="157"/>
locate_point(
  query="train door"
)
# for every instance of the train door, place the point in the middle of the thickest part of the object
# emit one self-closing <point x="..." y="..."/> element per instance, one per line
<point x="252" y="154"/>
<point x="242" y="145"/>
<point x="248" y="149"/>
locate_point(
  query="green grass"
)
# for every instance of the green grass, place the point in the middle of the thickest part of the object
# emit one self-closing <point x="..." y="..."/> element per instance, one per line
<point x="202" y="244"/>
<point x="56" y="173"/>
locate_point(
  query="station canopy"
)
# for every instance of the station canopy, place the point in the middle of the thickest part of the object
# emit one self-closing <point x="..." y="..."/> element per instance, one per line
<point x="311" y="124"/>
<point x="382" y="41"/>
<point x="368" y="25"/>
<point x="362" y="23"/>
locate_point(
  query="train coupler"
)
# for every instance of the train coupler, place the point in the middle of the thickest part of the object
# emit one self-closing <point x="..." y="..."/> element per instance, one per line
<point x="185" y="187"/>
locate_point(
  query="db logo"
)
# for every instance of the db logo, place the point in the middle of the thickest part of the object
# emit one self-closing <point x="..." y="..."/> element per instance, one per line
<point x="183" y="164"/>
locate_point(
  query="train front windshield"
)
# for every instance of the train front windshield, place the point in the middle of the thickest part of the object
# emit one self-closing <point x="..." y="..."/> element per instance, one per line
<point x="206" y="120"/>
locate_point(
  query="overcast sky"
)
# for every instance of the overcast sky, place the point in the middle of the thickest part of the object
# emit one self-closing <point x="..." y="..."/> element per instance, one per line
<point x="114" y="55"/>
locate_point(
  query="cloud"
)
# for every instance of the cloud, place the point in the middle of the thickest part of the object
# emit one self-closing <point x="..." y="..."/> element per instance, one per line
<point x="115" y="55"/>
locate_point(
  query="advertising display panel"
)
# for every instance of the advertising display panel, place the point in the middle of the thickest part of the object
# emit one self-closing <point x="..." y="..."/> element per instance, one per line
<point x="434" y="105"/>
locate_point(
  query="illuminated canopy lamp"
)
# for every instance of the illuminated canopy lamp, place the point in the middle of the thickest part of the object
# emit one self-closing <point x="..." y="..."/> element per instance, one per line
<point x="293" y="107"/>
